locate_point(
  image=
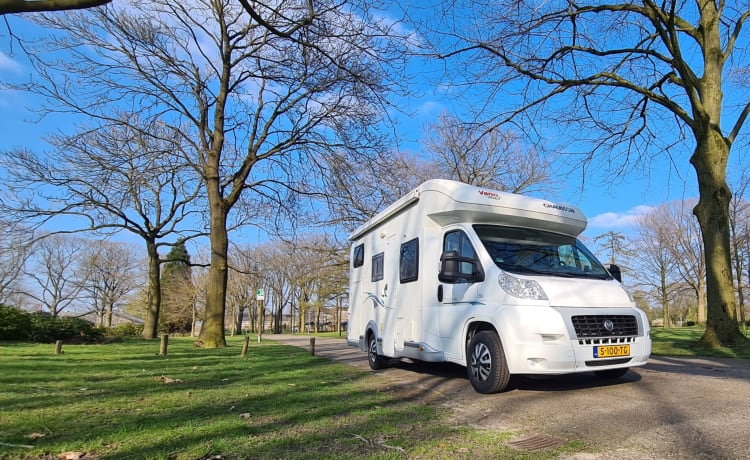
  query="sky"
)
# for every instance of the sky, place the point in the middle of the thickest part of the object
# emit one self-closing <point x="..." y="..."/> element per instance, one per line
<point x="610" y="204"/>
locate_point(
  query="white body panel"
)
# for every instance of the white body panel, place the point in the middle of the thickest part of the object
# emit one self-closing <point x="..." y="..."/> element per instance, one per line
<point x="423" y="318"/>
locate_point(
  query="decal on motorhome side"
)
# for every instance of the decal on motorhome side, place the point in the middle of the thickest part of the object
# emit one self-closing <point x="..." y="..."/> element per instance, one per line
<point x="377" y="302"/>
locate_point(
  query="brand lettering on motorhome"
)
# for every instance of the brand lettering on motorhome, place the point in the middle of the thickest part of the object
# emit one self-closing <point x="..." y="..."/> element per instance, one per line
<point x="488" y="194"/>
<point x="559" y="207"/>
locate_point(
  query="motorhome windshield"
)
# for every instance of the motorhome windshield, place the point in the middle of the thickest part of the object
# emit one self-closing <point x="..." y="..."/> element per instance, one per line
<point x="526" y="251"/>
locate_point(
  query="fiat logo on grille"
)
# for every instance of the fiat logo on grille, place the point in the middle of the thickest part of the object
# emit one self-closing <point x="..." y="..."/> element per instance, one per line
<point x="609" y="326"/>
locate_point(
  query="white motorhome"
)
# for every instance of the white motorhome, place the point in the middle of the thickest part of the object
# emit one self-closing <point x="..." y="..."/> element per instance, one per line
<point x="493" y="281"/>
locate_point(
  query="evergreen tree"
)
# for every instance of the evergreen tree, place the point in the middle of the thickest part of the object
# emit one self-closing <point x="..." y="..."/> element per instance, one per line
<point x="177" y="291"/>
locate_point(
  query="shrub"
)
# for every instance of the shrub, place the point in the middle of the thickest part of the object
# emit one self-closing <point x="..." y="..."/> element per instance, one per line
<point x="15" y="324"/>
<point x="125" y="330"/>
<point x="46" y="329"/>
<point x="41" y="327"/>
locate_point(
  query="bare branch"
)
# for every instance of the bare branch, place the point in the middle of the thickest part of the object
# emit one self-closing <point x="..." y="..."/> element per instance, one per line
<point x="35" y="6"/>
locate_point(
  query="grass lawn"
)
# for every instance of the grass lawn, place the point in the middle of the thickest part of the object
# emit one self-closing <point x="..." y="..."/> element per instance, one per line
<point x="123" y="401"/>
<point x="682" y="341"/>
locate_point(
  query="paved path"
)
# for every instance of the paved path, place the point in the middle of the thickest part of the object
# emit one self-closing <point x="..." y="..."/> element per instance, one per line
<point x="673" y="408"/>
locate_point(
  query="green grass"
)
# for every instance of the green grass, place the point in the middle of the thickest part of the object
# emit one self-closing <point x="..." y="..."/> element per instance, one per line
<point x="115" y="401"/>
<point x="683" y="341"/>
<point x="123" y="401"/>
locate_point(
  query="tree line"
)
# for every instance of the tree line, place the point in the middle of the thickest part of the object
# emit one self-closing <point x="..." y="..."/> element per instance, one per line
<point x="665" y="266"/>
<point x="237" y="114"/>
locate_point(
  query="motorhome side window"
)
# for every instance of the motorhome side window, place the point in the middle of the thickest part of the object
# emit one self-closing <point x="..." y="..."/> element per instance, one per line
<point x="457" y="247"/>
<point x="358" y="256"/>
<point x="409" y="261"/>
<point x="377" y="267"/>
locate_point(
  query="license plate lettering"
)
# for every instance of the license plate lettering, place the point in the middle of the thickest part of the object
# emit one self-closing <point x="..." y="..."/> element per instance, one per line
<point x="611" y="351"/>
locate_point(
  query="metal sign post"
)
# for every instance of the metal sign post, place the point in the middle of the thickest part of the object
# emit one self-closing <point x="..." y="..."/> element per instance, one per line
<point x="260" y="297"/>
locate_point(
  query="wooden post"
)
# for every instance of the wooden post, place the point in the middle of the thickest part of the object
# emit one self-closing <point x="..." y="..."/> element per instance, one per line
<point x="163" y="346"/>
<point x="245" y="345"/>
<point x="312" y="346"/>
<point x="58" y="347"/>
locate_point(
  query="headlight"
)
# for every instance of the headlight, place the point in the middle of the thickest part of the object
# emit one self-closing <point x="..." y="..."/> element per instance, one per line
<point x="523" y="289"/>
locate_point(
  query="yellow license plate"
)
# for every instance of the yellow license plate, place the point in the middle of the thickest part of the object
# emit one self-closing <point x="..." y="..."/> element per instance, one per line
<point x="611" y="351"/>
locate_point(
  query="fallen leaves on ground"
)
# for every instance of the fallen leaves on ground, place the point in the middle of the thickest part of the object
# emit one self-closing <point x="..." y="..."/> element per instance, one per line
<point x="167" y="380"/>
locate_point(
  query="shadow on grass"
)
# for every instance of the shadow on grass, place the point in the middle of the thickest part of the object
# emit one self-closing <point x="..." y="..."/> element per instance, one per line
<point x="278" y="403"/>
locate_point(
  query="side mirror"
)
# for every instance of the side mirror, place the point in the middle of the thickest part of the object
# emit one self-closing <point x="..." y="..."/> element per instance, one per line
<point x="614" y="270"/>
<point x="457" y="269"/>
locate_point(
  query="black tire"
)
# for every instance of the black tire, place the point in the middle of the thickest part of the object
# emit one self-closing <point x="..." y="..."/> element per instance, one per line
<point x="485" y="364"/>
<point x="612" y="373"/>
<point x="375" y="360"/>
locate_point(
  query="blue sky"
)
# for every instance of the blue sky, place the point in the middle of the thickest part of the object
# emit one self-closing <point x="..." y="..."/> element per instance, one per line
<point x="611" y="205"/>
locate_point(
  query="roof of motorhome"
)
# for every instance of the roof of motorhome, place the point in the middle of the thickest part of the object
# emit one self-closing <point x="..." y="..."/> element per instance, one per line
<point x="454" y="202"/>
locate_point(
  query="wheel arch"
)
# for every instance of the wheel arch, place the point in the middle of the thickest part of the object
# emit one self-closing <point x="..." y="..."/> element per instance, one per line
<point x="372" y="329"/>
<point x="475" y="325"/>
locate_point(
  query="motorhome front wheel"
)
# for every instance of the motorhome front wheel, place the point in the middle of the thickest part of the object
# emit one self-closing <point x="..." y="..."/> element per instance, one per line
<point x="487" y="369"/>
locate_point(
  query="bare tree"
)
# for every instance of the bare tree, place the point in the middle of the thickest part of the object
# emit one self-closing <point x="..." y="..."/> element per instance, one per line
<point x="653" y="263"/>
<point x="14" y="251"/>
<point x="669" y="257"/>
<point x="739" y="222"/>
<point x="615" y="243"/>
<point x="492" y="157"/>
<point x="334" y="278"/>
<point x="57" y="274"/>
<point x="286" y="276"/>
<point x="685" y="242"/>
<point x="358" y="187"/>
<point x="258" y="108"/>
<point x="630" y="80"/>
<point x="111" y="277"/>
<point x="244" y="281"/>
<point x="124" y="175"/>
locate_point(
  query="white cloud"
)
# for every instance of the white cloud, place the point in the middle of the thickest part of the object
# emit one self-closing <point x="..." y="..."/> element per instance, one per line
<point x="610" y="220"/>
<point x="8" y="64"/>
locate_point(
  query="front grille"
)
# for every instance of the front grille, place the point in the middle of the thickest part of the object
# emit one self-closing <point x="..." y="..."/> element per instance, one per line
<point x="590" y="326"/>
<point x="606" y="340"/>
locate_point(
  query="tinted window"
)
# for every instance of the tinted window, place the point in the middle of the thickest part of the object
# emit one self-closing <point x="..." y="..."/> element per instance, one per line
<point x="377" y="267"/>
<point x="459" y="262"/>
<point x="459" y="242"/>
<point x="409" y="261"/>
<point x="358" y="256"/>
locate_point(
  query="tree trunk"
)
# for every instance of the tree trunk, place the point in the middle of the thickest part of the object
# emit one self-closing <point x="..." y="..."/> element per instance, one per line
<point x="710" y="162"/>
<point x="279" y="320"/>
<point x="664" y="297"/>
<point x="240" y="316"/>
<point x="702" y="304"/>
<point x="153" y="302"/>
<point x="108" y="317"/>
<point x="212" y="332"/>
